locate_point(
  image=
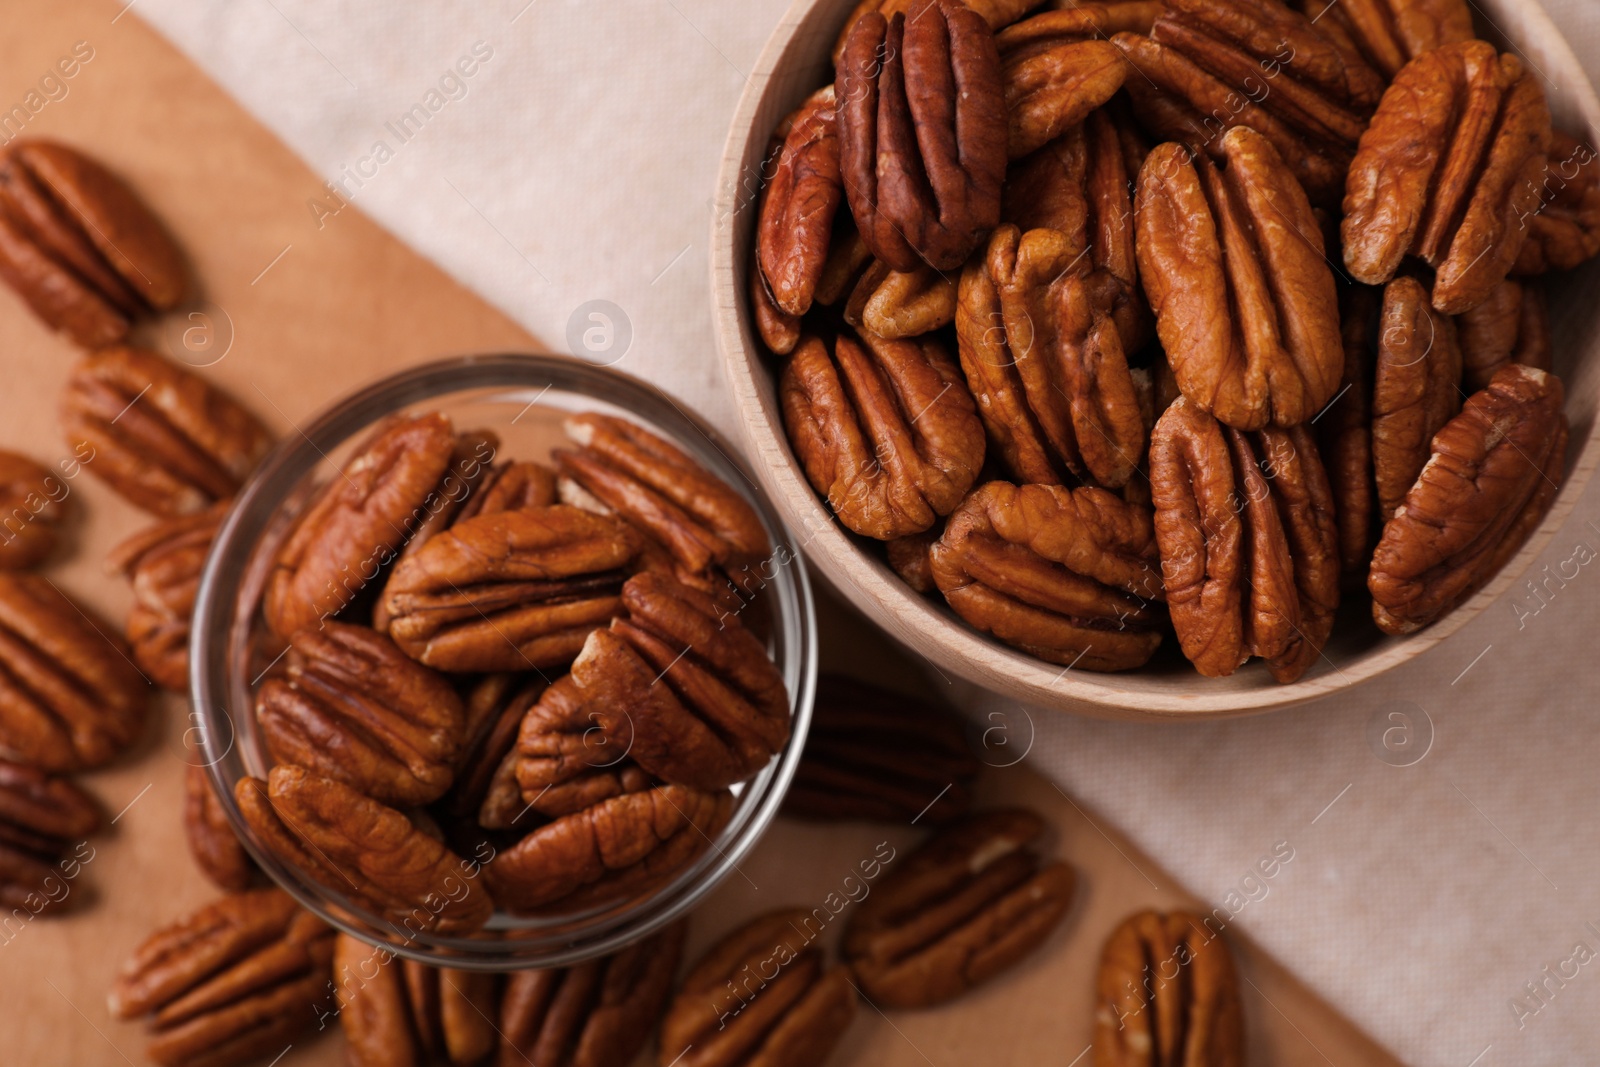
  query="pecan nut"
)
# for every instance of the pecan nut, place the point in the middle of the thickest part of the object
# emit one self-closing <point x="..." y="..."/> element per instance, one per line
<point x="351" y="706"/>
<point x="908" y="557"/>
<point x="963" y="907"/>
<point x="1232" y="262"/>
<point x="1416" y="387"/>
<point x="241" y="977"/>
<point x="515" y="590"/>
<point x="1492" y="475"/>
<point x="762" y="994"/>
<point x="794" y="230"/>
<point x="79" y="247"/>
<point x="922" y="128"/>
<point x="1512" y="326"/>
<point x="32" y="505"/>
<point x="886" y="430"/>
<point x="895" y="304"/>
<point x="486" y="786"/>
<point x="70" y="698"/>
<point x="1391" y="33"/>
<point x="1167" y="993"/>
<point x="594" y="1014"/>
<point x="564" y="762"/>
<point x="1344" y="434"/>
<point x="1449" y="170"/>
<point x="163" y="564"/>
<point x="161" y="436"/>
<point x="216" y="849"/>
<point x="41" y="815"/>
<point x="1068" y="575"/>
<point x="997" y="13"/>
<point x="1564" y="231"/>
<point x="408" y="1012"/>
<point x="1051" y="85"/>
<point x="366" y="850"/>
<point x="876" y="754"/>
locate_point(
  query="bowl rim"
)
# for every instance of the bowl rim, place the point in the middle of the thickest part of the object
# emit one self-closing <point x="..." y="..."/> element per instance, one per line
<point x="931" y="630"/>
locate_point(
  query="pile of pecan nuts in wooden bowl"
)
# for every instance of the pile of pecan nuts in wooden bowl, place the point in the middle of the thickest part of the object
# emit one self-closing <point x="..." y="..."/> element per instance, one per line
<point x="1165" y="359"/>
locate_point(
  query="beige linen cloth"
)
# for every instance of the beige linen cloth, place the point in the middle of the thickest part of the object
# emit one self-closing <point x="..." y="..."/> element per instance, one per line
<point x="1441" y="886"/>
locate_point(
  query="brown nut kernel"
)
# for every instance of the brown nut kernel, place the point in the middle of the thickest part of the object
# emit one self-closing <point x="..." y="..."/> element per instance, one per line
<point x="908" y="558"/>
<point x="486" y="786"/>
<point x="1564" y="231"/>
<point x="894" y="304"/>
<point x="886" y="430"/>
<point x="563" y="760"/>
<point x="1449" y="171"/>
<point x="594" y="1014"/>
<point x="409" y="1013"/>
<point x="1052" y="85"/>
<point x="351" y="706"/>
<point x="366" y="850"/>
<point x="1344" y="434"/>
<point x="1416" y="387"/>
<point x="1512" y="326"/>
<point x="963" y="907"/>
<point x="240" y="978"/>
<point x="216" y="849"/>
<point x="41" y="815"/>
<point x="1068" y="575"/>
<point x="997" y="13"/>
<point x="32" y="505"/>
<point x="880" y="755"/>
<point x="792" y="1018"/>
<point x="1492" y="474"/>
<point x="76" y="244"/>
<point x="163" y="437"/>
<point x="795" y="227"/>
<point x="1167" y="993"/>
<point x="1391" y="33"/>
<point x="922" y="127"/>
<point x="163" y="564"/>
<point x="70" y="698"/>
<point x="1232" y="262"/>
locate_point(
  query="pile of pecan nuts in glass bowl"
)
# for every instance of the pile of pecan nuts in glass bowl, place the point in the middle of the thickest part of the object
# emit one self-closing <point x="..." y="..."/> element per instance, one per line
<point x="1203" y="341"/>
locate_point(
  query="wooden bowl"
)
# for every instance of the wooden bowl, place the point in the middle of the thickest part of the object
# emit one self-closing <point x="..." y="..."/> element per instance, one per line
<point x="795" y="63"/>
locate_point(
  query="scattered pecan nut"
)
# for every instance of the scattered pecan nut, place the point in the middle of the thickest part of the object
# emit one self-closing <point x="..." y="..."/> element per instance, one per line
<point x="794" y="230"/>
<point x="163" y="564"/>
<point x="161" y="436"/>
<point x="763" y="994"/>
<point x="1564" y="230"/>
<point x="876" y="754"/>
<point x="564" y="762"/>
<point x="963" y="907"/>
<point x="1344" y="434"/>
<point x="363" y="849"/>
<point x="594" y="1014"/>
<point x="1416" y="387"/>
<point x="1391" y="33"/>
<point x="79" y="247"/>
<point x="1449" y="170"/>
<point x="351" y="706"/>
<point x="1232" y="261"/>
<point x="1492" y="474"/>
<point x="922" y="132"/>
<point x="216" y="849"/>
<point x="41" y="817"/>
<point x="1167" y="993"/>
<point x="1068" y="575"/>
<point x="408" y="1012"/>
<point x="32" y="505"/>
<point x="240" y="978"/>
<point x="70" y="698"/>
<point x="1512" y="326"/>
<point x="886" y="430"/>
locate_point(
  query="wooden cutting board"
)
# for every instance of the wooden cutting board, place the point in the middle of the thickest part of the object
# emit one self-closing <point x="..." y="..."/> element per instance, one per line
<point x="292" y="317"/>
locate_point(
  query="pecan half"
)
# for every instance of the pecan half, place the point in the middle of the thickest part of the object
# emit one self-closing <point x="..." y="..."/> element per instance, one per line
<point x="32" y="505"/>
<point x="963" y="907"/>
<point x="1167" y="993"/>
<point x="795" y="227"/>
<point x="1492" y="474"/>
<point x="1565" y="229"/>
<point x="70" y="698"/>
<point x="594" y="1014"/>
<point x="886" y="430"/>
<point x="564" y="762"/>
<point x="240" y="978"/>
<point x="41" y="815"/>
<point x="922" y="128"/>
<point x="409" y="1013"/>
<point x="163" y="564"/>
<point x="161" y="436"/>
<point x="1512" y="326"/>
<point x="351" y="706"/>
<point x="76" y="244"/>
<point x="1391" y="33"/>
<point x="216" y="849"/>
<point x="1068" y="575"/>
<point x="763" y="994"/>
<point x="1051" y="85"/>
<point x="1232" y="262"/>
<point x="997" y="13"/>
<point x="876" y="754"/>
<point x="1449" y="170"/>
<point x="366" y="850"/>
<point x="358" y="521"/>
<point x="908" y="557"/>
<point x="621" y="847"/>
<point x="486" y="786"/>
<point x="1344" y="434"/>
<point x="1416" y="387"/>
<point x="895" y="304"/>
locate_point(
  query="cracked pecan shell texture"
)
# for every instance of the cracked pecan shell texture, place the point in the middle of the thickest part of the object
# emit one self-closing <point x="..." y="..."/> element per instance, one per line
<point x="1416" y="387"/>
<point x="240" y="978"/>
<point x="964" y="906"/>
<point x="351" y="706"/>
<point x="1068" y="575"/>
<point x="723" y="1016"/>
<point x="163" y="437"/>
<point x="358" y="521"/>
<point x="1512" y="326"/>
<point x="516" y="590"/>
<point x="922" y="132"/>
<point x="1232" y="262"/>
<point x="216" y="849"/>
<point x="41" y="816"/>
<point x="32" y="507"/>
<point x="409" y="1013"/>
<point x="1167" y="993"/>
<point x="163" y="564"/>
<point x="886" y="430"/>
<point x="564" y="762"/>
<point x="1564" y="232"/>
<point x="79" y="247"/>
<point x="794" y="229"/>
<point x="1492" y="475"/>
<point x="595" y="1014"/>
<point x="70" y="698"/>
<point x="363" y="849"/>
<point x="1388" y="34"/>
<point x="1449" y="171"/>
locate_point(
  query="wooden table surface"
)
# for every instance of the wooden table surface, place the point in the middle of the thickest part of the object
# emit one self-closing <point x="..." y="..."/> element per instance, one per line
<point x="292" y="316"/>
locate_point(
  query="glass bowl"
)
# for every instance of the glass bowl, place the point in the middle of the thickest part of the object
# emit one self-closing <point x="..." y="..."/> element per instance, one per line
<point x="523" y="399"/>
